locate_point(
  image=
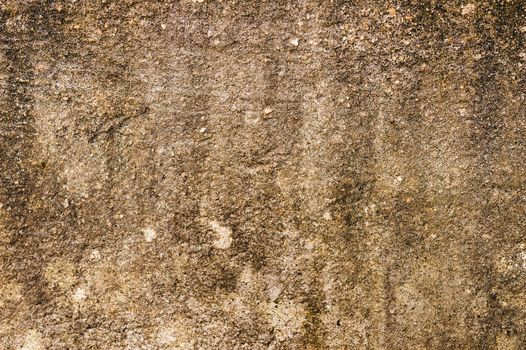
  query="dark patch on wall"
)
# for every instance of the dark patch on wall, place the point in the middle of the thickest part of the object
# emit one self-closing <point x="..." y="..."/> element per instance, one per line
<point x="32" y="204"/>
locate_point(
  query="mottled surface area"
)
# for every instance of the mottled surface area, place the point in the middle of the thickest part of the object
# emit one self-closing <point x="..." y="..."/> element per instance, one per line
<point x="262" y="174"/>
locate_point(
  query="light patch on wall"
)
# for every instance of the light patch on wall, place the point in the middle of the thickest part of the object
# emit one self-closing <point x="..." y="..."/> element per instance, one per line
<point x="177" y="335"/>
<point x="236" y="304"/>
<point x="9" y="292"/>
<point x="149" y="234"/>
<point x="287" y="318"/>
<point x="80" y="294"/>
<point x="507" y="342"/>
<point x="223" y="239"/>
<point x="95" y="254"/>
<point x="84" y="172"/>
<point x="468" y="9"/>
<point x="5" y="235"/>
<point x="33" y="341"/>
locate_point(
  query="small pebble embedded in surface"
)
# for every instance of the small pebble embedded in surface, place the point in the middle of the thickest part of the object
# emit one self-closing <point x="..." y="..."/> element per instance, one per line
<point x="80" y="294"/>
<point x="149" y="234"/>
<point x="468" y="9"/>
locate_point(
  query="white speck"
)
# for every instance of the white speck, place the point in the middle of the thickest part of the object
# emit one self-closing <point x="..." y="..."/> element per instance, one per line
<point x="223" y="238"/>
<point x="267" y="110"/>
<point x="327" y="215"/>
<point x="274" y="292"/>
<point x="295" y="41"/>
<point x="79" y="294"/>
<point x="163" y="26"/>
<point x="523" y="258"/>
<point x="95" y="254"/>
<point x="66" y="203"/>
<point x="399" y="178"/>
<point x="202" y="130"/>
<point x="149" y="234"/>
<point x="469" y="8"/>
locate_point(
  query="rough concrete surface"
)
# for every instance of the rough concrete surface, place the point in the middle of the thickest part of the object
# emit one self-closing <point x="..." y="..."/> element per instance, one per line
<point x="262" y="174"/>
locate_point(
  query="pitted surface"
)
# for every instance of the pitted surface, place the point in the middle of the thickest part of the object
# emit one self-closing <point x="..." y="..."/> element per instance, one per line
<point x="262" y="174"/>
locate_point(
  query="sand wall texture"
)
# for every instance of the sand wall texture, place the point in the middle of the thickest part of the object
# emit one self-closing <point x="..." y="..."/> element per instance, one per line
<point x="262" y="174"/>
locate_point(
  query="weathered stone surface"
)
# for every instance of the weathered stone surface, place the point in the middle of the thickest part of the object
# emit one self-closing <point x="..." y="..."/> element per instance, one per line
<point x="262" y="174"/>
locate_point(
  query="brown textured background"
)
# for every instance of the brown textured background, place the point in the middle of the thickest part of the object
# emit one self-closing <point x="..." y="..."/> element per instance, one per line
<point x="262" y="174"/>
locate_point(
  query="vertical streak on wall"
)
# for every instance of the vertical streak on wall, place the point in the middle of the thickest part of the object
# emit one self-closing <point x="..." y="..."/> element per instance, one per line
<point x="497" y="116"/>
<point x="316" y="181"/>
<point x="16" y="172"/>
<point x="337" y="183"/>
<point x="16" y="178"/>
<point x="17" y="129"/>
